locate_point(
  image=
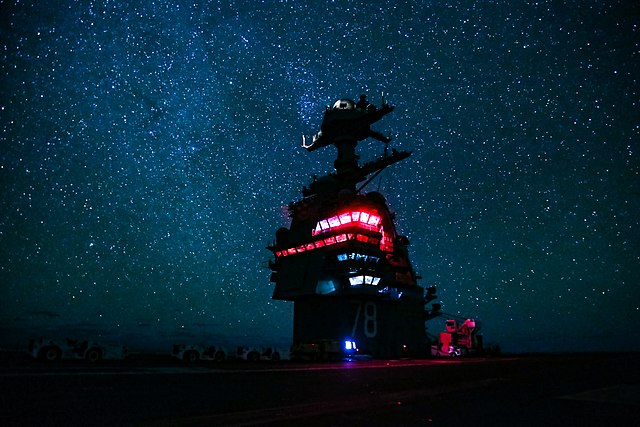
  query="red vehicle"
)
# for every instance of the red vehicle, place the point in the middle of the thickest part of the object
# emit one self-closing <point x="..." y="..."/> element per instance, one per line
<point x="457" y="339"/>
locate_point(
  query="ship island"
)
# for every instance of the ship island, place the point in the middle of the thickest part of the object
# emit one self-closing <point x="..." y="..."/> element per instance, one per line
<point x="341" y="261"/>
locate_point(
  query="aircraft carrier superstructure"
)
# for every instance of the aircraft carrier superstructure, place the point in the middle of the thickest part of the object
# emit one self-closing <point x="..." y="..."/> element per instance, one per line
<point x="341" y="261"/>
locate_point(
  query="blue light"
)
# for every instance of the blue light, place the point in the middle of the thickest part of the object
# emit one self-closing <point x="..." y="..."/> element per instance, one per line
<point x="350" y="346"/>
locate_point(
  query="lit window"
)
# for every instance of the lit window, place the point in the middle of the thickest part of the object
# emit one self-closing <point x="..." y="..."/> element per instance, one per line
<point x="354" y="256"/>
<point x="367" y="280"/>
<point x="345" y="218"/>
<point x="366" y="220"/>
<point x="357" y="280"/>
<point x="325" y="287"/>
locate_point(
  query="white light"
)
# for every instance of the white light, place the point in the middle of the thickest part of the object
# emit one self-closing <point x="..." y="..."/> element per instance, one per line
<point x="357" y="280"/>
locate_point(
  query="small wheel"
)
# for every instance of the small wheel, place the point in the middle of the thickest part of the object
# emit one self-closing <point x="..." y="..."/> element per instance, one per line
<point x="191" y="356"/>
<point x="253" y="357"/>
<point x="275" y="356"/>
<point x="50" y="354"/>
<point x="93" y="355"/>
<point x="220" y="356"/>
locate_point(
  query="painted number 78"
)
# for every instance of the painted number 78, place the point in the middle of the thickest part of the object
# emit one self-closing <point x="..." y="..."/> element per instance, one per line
<point x="368" y="310"/>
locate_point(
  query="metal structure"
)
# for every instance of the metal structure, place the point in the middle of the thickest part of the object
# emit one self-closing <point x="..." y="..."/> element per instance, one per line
<point x="460" y="338"/>
<point x="192" y="353"/>
<point x="52" y="350"/>
<point x="341" y="261"/>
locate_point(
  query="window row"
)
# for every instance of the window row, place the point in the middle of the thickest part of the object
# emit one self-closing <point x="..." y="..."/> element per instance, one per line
<point x="358" y="257"/>
<point x="328" y="242"/>
<point x="366" y="220"/>
<point x="364" y="280"/>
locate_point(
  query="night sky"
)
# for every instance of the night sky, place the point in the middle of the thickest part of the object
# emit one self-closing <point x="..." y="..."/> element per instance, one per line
<point x="148" y="150"/>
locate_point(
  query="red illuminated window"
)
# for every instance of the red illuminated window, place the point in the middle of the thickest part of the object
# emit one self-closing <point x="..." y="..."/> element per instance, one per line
<point x="361" y="219"/>
<point x="367" y="220"/>
<point x="345" y="218"/>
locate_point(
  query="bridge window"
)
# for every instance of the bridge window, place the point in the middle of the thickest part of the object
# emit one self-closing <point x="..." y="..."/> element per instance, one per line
<point x="354" y="256"/>
<point x="362" y="219"/>
<point x="332" y="240"/>
<point x="366" y="280"/>
<point x="345" y="218"/>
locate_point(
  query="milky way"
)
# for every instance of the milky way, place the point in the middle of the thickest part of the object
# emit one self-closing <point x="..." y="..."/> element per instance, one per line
<point x="148" y="150"/>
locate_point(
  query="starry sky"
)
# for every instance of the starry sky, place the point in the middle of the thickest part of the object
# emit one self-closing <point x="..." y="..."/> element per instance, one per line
<point x="148" y="150"/>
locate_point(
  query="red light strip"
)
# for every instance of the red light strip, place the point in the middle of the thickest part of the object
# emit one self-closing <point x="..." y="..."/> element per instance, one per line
<point x="340" y="238"/>
<point x="362" y="219"/>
